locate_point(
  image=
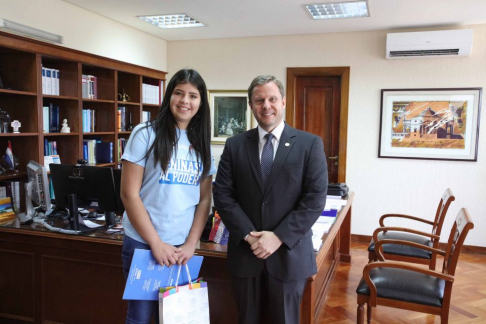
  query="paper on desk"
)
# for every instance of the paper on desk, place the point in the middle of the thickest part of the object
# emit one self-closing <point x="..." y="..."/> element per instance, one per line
<point x="88" y="223"/>
<point x="316" y="243"/>
<point x="321" y="228"/>
<point x="335" y="204"/>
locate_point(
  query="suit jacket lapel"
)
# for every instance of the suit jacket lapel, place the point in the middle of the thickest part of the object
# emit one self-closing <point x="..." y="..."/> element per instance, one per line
<point x="253" y="155"/>
<point x="284" y="147"/>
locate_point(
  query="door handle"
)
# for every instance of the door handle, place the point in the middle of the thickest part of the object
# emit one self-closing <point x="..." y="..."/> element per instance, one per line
<point x="336" y="158"/>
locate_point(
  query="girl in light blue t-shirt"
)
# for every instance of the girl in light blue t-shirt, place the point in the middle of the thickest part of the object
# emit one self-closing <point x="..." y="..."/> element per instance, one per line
<point x="166" y="182"/>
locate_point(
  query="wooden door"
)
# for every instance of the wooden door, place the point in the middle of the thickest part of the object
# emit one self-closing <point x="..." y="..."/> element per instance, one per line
<point x="317" y="103"/>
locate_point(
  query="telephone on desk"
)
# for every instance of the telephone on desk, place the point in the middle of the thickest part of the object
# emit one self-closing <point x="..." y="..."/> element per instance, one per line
<point x="337" y="189"/>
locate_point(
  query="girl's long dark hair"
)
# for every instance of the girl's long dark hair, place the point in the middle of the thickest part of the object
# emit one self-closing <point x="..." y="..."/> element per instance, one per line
<point x="198" y="131"/>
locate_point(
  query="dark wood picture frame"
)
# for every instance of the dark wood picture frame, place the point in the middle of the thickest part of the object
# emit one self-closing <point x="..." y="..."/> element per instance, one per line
<point x="430" y="124"/>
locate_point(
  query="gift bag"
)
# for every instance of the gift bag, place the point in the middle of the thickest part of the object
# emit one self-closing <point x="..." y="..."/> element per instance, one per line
<point x="186" y="304"/>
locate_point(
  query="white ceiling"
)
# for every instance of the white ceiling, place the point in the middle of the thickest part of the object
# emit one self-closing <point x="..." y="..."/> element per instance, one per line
<point x="245" y="18"/>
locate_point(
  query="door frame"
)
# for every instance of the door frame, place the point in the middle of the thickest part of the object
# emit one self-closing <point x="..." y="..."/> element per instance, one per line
<point x="340" y="71"/>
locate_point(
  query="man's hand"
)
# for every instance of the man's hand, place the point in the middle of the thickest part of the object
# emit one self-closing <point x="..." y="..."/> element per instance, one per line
<point x="165" y="254"/>
<point x="267" y="243"/>
<point x="252" y="239"/>
<point x="186" y="252"/>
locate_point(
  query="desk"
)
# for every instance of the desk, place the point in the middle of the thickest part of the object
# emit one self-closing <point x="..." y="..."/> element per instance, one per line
<point x="52" y="277"/>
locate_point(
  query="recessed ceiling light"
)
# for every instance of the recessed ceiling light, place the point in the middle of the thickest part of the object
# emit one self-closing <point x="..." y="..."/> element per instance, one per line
<point x="335" y="10"/>
<point x="173" y="21"/>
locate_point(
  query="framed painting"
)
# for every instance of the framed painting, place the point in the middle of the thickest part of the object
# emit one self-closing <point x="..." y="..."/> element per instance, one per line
<point x="230" y="114"/>
<point x="433" y="124"/>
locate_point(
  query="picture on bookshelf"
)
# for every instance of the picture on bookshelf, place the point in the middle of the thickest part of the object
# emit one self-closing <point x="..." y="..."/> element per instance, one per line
<point x="1" y="83"/>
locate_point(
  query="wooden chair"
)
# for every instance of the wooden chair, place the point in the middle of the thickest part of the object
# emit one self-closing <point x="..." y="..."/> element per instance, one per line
<point x="408" y="253"/>
<point x="406" y="286"/>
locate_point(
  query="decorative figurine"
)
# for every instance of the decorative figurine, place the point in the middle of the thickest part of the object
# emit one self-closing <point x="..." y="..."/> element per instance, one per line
<point x="65" y="128"/>
<point x="8" y="161"/>
<point x="16" y="125"/>
<point x="4" y="121"/>
<point x="123" y="96"/>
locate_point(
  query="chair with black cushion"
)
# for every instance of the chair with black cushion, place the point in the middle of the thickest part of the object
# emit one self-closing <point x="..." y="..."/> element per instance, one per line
<point x="407" y="286"/>
<point x="408" y="253"/>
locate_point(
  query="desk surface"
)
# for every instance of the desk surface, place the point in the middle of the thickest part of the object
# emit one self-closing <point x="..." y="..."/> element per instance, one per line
<point x="206" y="248"/>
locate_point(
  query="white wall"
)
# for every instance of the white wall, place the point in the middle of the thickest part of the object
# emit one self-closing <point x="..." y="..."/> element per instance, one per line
<point x="89" y="32"/>
<point x="381" y="185"/>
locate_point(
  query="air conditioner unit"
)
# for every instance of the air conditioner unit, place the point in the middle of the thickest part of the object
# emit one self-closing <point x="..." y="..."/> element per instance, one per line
<point x="430" y="44"/>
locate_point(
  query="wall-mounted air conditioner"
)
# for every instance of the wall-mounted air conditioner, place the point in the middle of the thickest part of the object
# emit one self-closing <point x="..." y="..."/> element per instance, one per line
<point x="430" y="44"/>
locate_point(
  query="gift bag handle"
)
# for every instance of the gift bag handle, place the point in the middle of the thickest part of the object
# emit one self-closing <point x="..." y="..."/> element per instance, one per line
<point x="188" y="276"/>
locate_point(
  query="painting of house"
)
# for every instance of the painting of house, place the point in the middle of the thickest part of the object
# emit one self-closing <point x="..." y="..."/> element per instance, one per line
<point x="429" y="124"/>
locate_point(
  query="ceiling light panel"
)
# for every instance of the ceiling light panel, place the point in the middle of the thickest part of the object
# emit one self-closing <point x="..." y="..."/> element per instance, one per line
<point x="173" y="21"/>
<point x="336" y="10"/>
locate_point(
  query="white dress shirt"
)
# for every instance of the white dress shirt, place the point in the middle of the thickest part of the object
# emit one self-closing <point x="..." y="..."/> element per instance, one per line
<point x="277" y="134"/>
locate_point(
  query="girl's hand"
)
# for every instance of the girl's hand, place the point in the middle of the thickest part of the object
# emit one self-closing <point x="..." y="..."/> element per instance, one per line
<point x="186" y="252"/>
<point x="165" y="254"/>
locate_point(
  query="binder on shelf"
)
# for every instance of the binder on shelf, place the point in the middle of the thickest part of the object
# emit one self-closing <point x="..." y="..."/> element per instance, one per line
<point x="104" y="152"/>
<point x="53" y="118"/>
<point x="45" y="119"/>
<point x="48" y="82"/>
<point x="44" y="91"/>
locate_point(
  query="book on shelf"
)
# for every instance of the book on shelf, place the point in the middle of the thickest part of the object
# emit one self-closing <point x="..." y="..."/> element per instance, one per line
<point x="150" y="94"/>
<point x="50" y="147"/>
<point x="45" y="119"/>
<point x="53" y="118"/>
<point x="122" y="122"/>
<point x="48" y="159"/>
<point x="89" y="120"/>
<point x="146" y="116"/>
<point x="121" y="147"/>
<point x="44" y="90"/>
<point x="89" y="86"/>
<point x="104" y="152"/>
<point x="89" y="153"/>
<point x="50" y="81"/>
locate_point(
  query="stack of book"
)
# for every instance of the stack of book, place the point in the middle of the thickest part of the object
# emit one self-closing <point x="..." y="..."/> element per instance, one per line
<point x="89" y="86"/>
<point x="50" y="119"/>
<point x="95" y="151"/>
<point x="146" y="116"/>
<point x="50" y="81"/>
<point x="122" y="119"/>
<point x="150" y="94"/>
<point x="121" y="147"/>
<point x="89" y="120"/>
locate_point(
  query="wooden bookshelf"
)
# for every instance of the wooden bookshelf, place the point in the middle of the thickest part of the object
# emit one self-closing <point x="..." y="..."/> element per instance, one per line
<point x="21" y="62"/>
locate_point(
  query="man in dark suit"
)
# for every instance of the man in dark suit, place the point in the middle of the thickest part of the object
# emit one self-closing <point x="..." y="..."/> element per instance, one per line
<point x="269" y="191"/>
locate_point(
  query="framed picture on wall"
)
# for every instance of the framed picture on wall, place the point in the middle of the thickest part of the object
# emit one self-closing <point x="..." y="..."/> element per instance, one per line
<point x="230" y="114"/>
<point x="433" y="124"/>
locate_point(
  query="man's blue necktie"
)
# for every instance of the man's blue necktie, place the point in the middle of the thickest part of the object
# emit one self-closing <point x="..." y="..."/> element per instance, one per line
<point x="267" y="159"/>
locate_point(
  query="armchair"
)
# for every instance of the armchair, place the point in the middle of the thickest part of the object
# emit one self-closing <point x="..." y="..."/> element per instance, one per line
<point x="410" y="253"/>
<point x="406" y="286"/>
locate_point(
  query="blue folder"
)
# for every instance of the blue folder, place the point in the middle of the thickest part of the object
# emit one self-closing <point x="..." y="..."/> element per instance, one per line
<point x="146" y="276"/>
